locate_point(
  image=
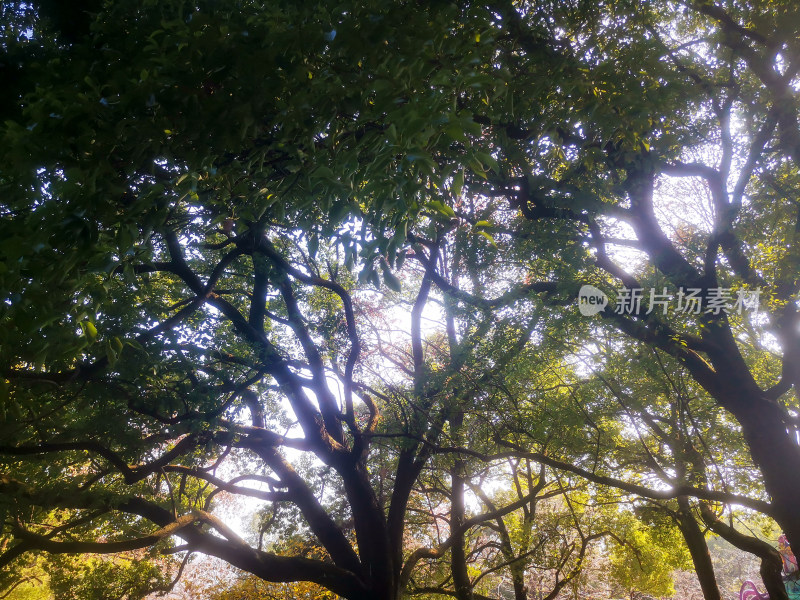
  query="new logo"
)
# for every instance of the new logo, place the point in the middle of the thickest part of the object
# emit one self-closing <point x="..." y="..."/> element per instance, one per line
<point x="591" y="300"/>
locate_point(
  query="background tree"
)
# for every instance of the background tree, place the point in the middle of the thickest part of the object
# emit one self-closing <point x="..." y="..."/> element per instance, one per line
<point x="206" y="214"/>
<point x="732" y="133"/>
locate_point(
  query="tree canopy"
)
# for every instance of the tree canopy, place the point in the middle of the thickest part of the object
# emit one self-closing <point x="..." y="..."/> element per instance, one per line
<point x="329" y="258"/>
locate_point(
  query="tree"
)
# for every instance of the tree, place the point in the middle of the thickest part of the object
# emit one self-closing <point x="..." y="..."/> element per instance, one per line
<point x="204" y="313"/>
<point x="595" y="173"/>
<point x="210" y="213"/>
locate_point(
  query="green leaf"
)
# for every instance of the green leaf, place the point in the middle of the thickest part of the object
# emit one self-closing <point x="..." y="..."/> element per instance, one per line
<point x="392" y="282"/>
<point x="488" y="237"/>
<point x="373" y="279"/>
<point x="89" y="330"/>
<point x="458" y="183"/>
<point x="456" y="131"/>
<point x="488" y="161"/>
<point x="442" y="208"/>
<point x="111" y="353"/>
<point x="477" y="167"/>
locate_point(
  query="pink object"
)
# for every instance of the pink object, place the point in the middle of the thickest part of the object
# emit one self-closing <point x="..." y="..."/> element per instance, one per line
<point x="749" y="591"/>
<point x="789" y="559"/>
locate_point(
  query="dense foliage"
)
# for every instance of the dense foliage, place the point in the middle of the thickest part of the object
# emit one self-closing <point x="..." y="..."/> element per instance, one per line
<point x="327" y="258"/>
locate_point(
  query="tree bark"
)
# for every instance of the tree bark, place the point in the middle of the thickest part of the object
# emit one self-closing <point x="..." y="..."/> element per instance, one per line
<point x="766" y="431"/>
<point x="771" y="563"/>
<point x="458" y="557"/>
<point x="696" y="542"/>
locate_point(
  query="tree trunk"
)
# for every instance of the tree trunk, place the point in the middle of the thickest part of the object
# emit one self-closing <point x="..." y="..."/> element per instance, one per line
<point x="372" y="534"/>
<point x="778" y="457"/>
<point x="458" y="558"/>
<point x="771" y="563"/>
<point x="520" y="590"/>
<point x="764" y="425"/>
<point x="696" y="542"/>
